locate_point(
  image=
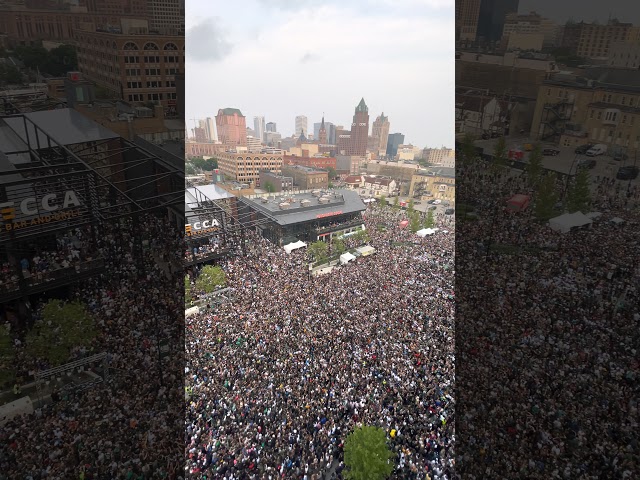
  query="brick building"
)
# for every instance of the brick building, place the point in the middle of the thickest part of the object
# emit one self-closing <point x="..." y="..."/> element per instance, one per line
<point x="246" y="167"/>
<point x="232" y="127"/>
<point x="307" y="178"/>
<point x="315" y="162"/>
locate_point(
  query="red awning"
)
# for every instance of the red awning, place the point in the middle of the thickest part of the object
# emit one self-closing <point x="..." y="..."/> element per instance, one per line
<point x="404" y="223"/>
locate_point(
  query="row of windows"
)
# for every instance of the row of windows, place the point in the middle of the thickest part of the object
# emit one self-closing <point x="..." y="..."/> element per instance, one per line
<point x="140" y="97"/>
<point x="613" y="117"/>
<point x="152" y="84"/>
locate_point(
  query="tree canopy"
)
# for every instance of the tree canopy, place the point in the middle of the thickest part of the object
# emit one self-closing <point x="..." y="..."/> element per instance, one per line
<point x="579" y="195"/>
<point x="318" y="251"/>
<point x="546" y="197"/>
<point x="367" y="455"/>
<point x="210" y="278"/>
<point x="205" y="164"/>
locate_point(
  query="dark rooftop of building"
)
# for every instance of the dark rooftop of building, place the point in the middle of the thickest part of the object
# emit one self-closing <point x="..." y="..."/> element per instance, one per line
<point x="305" y="206"/>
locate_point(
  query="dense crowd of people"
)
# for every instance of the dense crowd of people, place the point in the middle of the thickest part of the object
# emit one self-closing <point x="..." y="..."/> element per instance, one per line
<point x="278" y="377"/>
<point x="130" y="425"/>
<point x="547" y="333"/>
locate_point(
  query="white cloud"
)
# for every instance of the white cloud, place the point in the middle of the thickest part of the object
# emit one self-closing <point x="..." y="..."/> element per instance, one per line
<point x="325" y="60"/>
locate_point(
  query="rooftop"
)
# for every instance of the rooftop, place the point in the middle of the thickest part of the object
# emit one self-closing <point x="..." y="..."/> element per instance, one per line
<point x="305" y="206"/>
<point x="231" y="111"/>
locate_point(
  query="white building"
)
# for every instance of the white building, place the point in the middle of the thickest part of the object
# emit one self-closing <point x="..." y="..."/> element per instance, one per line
<point x="477" y="114"/>
<point x="301" y="125"/>
<point x="254" y="144"/>
<point x="210" y="129"/>
<point x="442" y="157"/>
<point x="259" y="127"/>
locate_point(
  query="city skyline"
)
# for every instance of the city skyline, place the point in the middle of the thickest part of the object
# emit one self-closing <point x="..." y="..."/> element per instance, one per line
<point x="341" y="55"/>
<point x="560" y="12"/>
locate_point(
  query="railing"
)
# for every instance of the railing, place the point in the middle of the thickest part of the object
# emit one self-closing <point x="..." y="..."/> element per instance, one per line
<point x="340" y="226"/>
<point x="51" y="279"/>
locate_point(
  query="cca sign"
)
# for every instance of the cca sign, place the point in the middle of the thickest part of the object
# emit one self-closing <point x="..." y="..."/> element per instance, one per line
<point x="48" y="203"/>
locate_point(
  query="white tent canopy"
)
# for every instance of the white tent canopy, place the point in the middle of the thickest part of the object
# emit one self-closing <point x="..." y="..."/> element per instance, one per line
<point x="617" y="220"/>
<point x="346" y="258"/>
<point x="294" y="246"/>
<point x="426" y="231"/>
<point x="593" y="215"/>
<point x="568" y="221"/>
<point x="366" y="250"/>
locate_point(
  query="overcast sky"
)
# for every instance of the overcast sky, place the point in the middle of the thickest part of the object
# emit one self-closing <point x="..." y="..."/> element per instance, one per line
<point x="563" y="10"/>
<point x="282" y="58"/>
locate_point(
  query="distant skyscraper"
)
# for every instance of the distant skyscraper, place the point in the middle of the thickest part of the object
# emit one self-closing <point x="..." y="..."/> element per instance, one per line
<point x="259" y="127"/>
<point x="301" y="125"/>
<point x="232" y="127"/>
<point x="467" y="12"/>
<point x="359" y="130"/>
<point x="491" y="18"/>
<point x="380" y="132"/>
<point x="271" y="127"/>
<point x="395" y="139"/>
<point x="166" y="16"/>
<point x="211" y="129"/>
<point x="331" y="130"/>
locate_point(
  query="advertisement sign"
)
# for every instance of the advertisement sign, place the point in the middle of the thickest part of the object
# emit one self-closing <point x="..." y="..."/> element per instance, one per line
<point x="201" y="228"/>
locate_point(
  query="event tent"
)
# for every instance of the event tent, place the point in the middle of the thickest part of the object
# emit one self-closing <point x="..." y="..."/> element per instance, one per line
<point x="426" y="231"/>
<point x="346" y="258"/>
<point x="518" y="202"/>
<point x="294" y="246"/>
<point x="404" y="223"/>
<point x="593" y="215"/>
<point x="568" y="221"/>
<point x="366" y="250"/>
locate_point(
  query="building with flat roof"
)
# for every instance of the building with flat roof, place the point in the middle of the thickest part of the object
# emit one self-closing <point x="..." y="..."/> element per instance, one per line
<point x="245" y="167"/>
<point x="437" y="184"/>
<point x="307" y="178"/>
<point x="316" y="161"/>
<point x="272" y="182"/>
<point x="308" y="216"/>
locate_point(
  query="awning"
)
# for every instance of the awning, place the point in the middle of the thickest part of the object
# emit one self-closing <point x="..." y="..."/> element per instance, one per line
<point x="404" y="223"/>
<point x="366" y="250"/>
<point x="564" y="223"/>
<point x="294" y="246"/>
<point x="426" y="231"/>
<point x="346" y="258"/>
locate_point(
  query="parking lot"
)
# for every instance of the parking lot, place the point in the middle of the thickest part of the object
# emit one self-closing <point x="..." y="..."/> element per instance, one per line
<point x="566" y="161"/>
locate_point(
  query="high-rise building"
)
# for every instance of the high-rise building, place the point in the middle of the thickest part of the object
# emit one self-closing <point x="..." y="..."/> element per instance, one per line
<point x="595" y="40"/>
<point x="492" y="17"/>
<point x="211" y="130"/>
<point x="271" y="127"/>
<point x="166" y="17"/>
<point x="232" y="127"/>
<point x="467" y="12"/>
<point x="118" y="7"/>
<point x="380" y="133"/>
<point x="301" y="125"/>
<point x="200" y="134"/>
<point x="138" y="69"/>
<point x="393" y="142"/>
<point x="359" y="130"/>
<point x="331" y="131"/>
<point x="259" y="127"/>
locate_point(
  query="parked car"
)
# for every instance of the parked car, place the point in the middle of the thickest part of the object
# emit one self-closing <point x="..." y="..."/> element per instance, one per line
<point x="627" y="173"/>
<point x="437" y="202"/>
<point x="597" y="150"/>
<point x="582" y="149"/>
<point x="432" y="207"/>
<point x="432" y="201"/>
<point x="587" y="163"/>
<point x="515" y="154"/>
<point x="486" y="136"/>
<point x="552" y="152"/>
<point x="620" y="156"/>
<point x="449" y="211"/>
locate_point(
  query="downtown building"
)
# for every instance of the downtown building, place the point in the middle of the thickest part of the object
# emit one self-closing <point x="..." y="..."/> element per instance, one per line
<point x="380" y="135"/>
<point x="354" y="142"/>
<point x="232" y="127"/>
<point x="245" y="167"/>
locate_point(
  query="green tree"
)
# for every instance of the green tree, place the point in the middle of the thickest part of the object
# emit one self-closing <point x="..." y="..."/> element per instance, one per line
<point x="367" y="455"/>
<point x="338" y="246"/>
<point x="361" y="237"/>
<point x="32" y="56"/>
<point x="499" y="155"/>
<point x="396" y="202"/>
<point x="268" y="186"/>
<point x="62" y="327"/>
<point x="332" y="173"/>
<point x="10" y="75"/>
<point x="534" y="167"/>
<point x="429" y="222"/>
<point x="7" y="354"/>
<point x="205" y="164"/>
<point x="414" y="222"/>
<point x="318" y="251"/>
<point x="187" y="287"/>
<point x="579" y="195"/>
<point x="411" y="206"/>
<point x="469" y="152"/>
<point x="382" y="200"/>
<point x="546" y="197"/>
<point x="210" y="278"/>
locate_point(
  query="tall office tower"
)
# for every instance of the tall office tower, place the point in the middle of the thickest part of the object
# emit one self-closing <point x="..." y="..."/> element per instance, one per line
<point x="467" y="12"/>
<point x="380" y="131"/>
<point x="117" y="7"/>
<point x="394" y="140"/>
<point x="301" y="125"/>
<point x="211" y="130"/>
<point x="166" y="17"/>
<point x="271" y="127"/>
<point x="259" y="127"/>
<point x="491" y="18"/>
<point x="232" y="127"/>
<point x="359" y="130"/>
